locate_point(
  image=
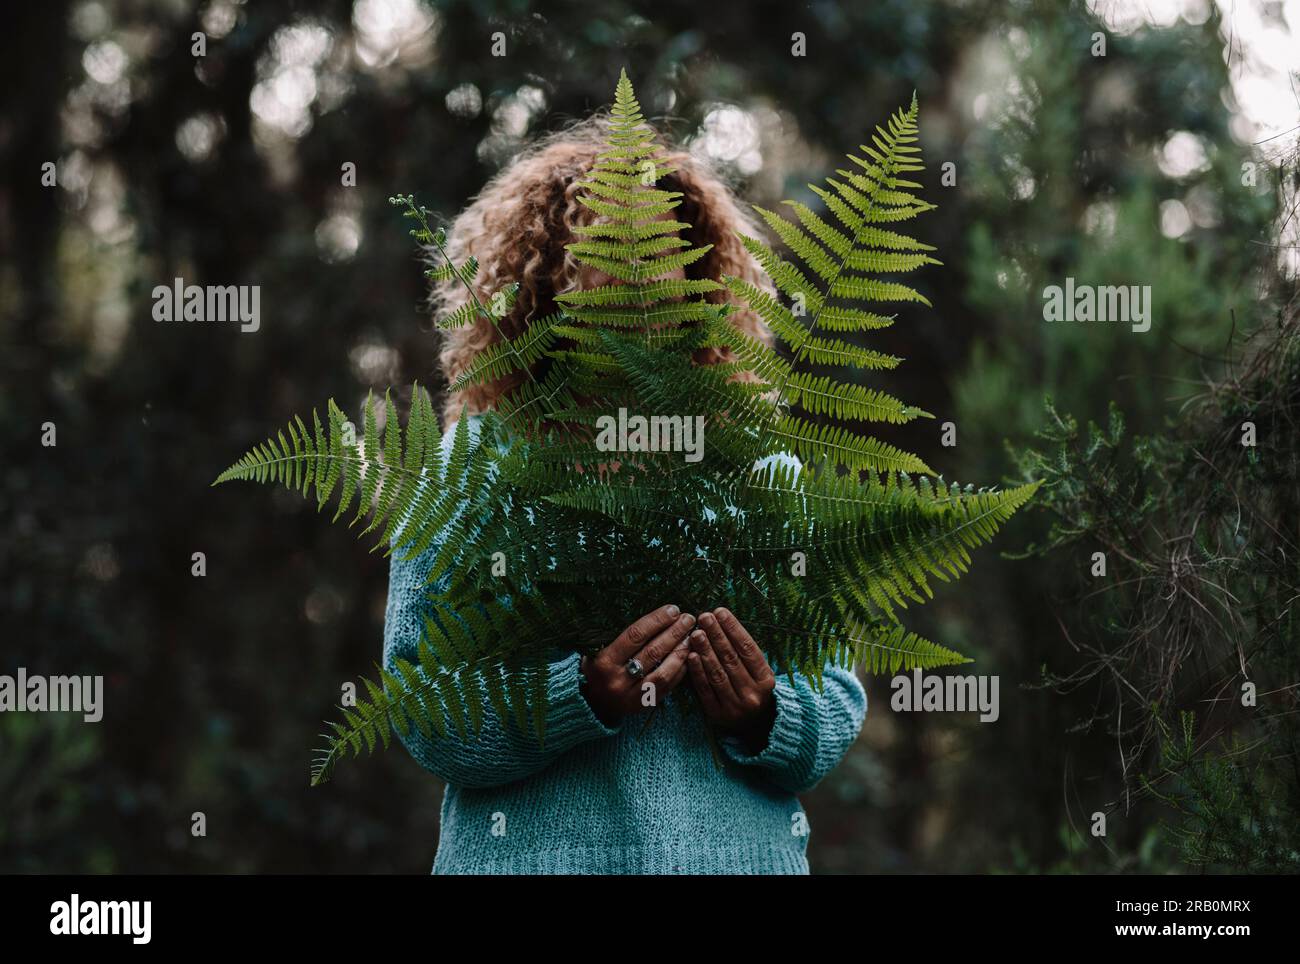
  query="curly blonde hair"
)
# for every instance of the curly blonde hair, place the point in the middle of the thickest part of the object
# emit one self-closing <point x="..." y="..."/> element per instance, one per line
<point x="517" y="228"/>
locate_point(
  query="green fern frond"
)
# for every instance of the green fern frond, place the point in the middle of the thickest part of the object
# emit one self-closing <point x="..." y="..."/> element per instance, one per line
<point x="842" y="446"/>
<point x="540" y="533"/>
<point x="848" y="401"/>
<point x="405" y="486"/>
<point x="843" y="258"/>
<point x="499" y="360"/>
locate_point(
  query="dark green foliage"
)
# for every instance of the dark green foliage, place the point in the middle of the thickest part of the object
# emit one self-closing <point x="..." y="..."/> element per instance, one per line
<point x="547" y="537"/>
<point x="1233" y="806"/>
<point x="1190" y="637"/>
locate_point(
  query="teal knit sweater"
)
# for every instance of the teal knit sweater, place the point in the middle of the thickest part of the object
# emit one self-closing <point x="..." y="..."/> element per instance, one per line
<point x="632" y="799"/>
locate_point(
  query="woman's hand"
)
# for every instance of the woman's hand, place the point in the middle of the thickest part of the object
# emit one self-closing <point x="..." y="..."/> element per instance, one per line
<point x="735" y="686"/>
<point x="658" y="642"/>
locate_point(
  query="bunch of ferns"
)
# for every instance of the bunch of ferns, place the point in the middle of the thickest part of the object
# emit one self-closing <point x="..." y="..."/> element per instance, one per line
<point x="542" y="538"/>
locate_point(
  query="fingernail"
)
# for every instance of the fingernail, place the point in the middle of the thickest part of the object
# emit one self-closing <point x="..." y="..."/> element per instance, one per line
<point x="706" y="619"/>
<point x="687" y="620"/>
<point x="673" y="612"/>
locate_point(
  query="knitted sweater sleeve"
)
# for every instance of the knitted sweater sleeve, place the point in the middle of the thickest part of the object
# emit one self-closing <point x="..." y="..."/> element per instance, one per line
<point x="812" y="732"/>
<point x="499" y="752"/>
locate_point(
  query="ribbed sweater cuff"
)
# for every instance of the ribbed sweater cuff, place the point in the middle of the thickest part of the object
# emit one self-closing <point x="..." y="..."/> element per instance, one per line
<point x="570" y="719"/>
<point x="792" y="742"/>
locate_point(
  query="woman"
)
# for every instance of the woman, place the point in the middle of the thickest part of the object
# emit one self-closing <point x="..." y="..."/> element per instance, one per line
<point x="612" y="791"/>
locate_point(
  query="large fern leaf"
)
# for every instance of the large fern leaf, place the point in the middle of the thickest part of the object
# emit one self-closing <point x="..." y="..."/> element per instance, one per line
<point x="540" y="537"/>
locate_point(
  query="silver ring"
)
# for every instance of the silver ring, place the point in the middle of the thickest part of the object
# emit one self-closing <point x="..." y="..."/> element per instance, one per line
<point x="634" y="668"/>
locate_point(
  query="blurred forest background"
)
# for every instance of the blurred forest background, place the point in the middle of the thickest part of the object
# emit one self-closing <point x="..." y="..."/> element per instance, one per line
<point x="1169" y="161"/>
